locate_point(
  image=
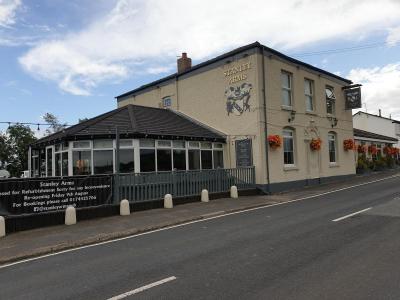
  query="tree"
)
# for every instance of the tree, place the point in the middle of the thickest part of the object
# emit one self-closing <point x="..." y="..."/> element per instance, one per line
<point x="16" y="145"/>
<point x="4" y="150"/>
<point x="55" y="124"/>
<point x="82" y="120"/>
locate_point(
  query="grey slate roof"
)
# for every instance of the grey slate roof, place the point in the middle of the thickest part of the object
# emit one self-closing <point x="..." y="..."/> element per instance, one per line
<point x="136" y="121"/>
<point x="366" y="134"/>
<point x="231" y="53"/>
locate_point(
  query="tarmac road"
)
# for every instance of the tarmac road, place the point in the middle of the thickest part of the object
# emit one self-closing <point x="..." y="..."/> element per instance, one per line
<point x="341" y="245"/>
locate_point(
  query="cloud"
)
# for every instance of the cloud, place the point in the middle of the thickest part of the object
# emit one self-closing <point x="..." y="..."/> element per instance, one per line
<point x="154" y="32"/>
<point x="381" y="88"/>
<point x="393" y="37"/>
<point x="8" y="9"/>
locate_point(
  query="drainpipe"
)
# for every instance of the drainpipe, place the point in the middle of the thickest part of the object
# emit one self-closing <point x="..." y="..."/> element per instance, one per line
<point x="265" y="116"/>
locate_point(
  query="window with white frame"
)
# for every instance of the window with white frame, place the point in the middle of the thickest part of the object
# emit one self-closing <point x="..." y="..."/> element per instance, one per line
<point x="286" y="80"/>
<point x="164" y="156"/>
<point x="218" y="156"/>
<point x="330" y="100"/>
<point x="309" y="94"/>
<point x="61" y="159"/>
<point x="194" y="156"/>
<point x="103" y="157"/>
<point x="288" y="147"/>
<point x="81" y="158"/>
<point x="206" y="155"/>
<point x="147" y="155"/>
<point x="166" y="102"/>
<point x="49" y="161"/>
<point x="179" y="155"/>
<point x="332" y="145"/>
<point x="126" y="156"/>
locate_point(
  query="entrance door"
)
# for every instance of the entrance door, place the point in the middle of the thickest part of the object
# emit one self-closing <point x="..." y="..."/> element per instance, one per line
<point x="313" y="157"/>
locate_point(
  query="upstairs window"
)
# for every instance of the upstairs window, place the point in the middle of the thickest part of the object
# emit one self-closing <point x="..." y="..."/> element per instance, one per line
<point x="309" y="94"/>
<point x="286" y="79"/>
<point x="330" y="100"/>
<point x="166" y="102"/>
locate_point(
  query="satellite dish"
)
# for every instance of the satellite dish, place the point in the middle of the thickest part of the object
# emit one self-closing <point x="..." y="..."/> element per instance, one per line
<point x="4" y="174"/>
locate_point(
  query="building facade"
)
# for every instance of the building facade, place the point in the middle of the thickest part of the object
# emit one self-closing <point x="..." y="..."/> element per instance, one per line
<point x="253" y="94"/>
<point x="377" y="124"/>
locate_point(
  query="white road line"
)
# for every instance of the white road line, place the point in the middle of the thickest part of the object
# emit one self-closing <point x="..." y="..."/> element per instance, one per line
<point x="350" y="215"/>
<point x="192" y="222"/>
<point x="143" y="288"/>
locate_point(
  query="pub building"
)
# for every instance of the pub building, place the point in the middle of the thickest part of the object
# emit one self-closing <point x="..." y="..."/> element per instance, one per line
<point x="252" y="106"/>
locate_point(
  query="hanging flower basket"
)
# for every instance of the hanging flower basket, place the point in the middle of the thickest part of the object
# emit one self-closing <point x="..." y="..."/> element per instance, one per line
<point x="348" y="144"/>
<point x="274" y="141"/>
<point x="361" y="149"/>
<point x="315" y="144"/>
<point x="372" y="150"/>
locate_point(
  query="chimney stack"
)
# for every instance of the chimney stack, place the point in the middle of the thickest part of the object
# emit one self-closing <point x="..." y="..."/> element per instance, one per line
<point x="184" y="63"/>
<point x="380" y="113"/>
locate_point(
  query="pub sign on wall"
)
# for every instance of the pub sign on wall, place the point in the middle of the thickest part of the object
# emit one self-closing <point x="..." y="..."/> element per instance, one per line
<point x="353" y="97"/>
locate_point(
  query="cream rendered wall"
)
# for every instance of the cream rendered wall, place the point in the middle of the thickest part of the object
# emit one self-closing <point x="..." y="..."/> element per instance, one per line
<point x="201" y="95"/>
<point x="153" y="96"/>
<point x="308" y="164"/>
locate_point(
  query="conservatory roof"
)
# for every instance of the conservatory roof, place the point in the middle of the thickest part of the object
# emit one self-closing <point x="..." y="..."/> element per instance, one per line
<point x="134" y="121"/>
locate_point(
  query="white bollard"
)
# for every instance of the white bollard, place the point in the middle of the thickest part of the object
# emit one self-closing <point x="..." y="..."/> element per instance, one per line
<point x="168" y="201"/>
<point x="204" y="196"/>
<point x="2" y="227"/>
<point x="70" y="215"/>
<point x="124" y="209"/>
<point x="234" y="192"/>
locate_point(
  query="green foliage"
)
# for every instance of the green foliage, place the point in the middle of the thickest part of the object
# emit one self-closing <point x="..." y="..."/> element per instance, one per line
<point x="379" y="164"/>
<point x="83" y="120"/>
<point x="55" y="124"/>
<point x="389" y="160"/>
<point x="14" y="147"/>
<point x="362" y="164"/>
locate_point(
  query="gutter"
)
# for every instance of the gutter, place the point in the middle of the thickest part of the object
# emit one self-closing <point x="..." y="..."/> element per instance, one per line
<point x="265" y="116"/>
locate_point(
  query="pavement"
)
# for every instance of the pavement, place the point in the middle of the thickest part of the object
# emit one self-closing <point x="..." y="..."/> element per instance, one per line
<point x="32" y="243"/>
<point x="338" y="241"/>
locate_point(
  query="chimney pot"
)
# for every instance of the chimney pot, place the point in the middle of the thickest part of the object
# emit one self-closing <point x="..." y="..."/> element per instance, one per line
<point x="380" y="113"/>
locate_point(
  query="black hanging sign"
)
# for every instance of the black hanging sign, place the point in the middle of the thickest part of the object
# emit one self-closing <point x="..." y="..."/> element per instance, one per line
<point x="37" y="195"/>
<point x="353" y="98"/>
<point x="244" y="156"/>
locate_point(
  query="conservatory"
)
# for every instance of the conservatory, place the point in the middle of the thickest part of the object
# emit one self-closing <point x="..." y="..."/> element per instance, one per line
<point x="131" y="139"/>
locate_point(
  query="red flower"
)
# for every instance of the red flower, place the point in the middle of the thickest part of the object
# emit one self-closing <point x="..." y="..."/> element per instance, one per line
<point x="372" y="150"/>
<point x="348" y="144"/>
<point x="274" y="141"/>
<point x="361" y="149"/>
<point x="315" y="144"/>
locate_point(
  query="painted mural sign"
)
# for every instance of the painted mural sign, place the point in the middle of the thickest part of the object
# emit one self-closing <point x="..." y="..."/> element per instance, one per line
<point x="237" y="99"/>
<point x="236" y="74"/>
<point x="42" y="195"/>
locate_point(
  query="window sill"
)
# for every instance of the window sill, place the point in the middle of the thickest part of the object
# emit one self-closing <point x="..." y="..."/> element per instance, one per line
<point x="309" y="112"/>
<point x="334" y="165"/>
<point x="330" y="115"/>
<point x="290" y="168"/>
<point x="285" y="107"/>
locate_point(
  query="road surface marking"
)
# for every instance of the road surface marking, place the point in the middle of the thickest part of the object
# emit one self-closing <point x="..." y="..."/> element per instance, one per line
<point x="191" y="222"/>
<point x="143" y="288"/>
<point x="350" y="215"/>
